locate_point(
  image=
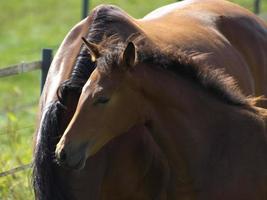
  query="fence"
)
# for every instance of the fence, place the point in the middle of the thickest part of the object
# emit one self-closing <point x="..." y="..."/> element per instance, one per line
<point x="257" y="6"/>
<point x="44" y="64"/>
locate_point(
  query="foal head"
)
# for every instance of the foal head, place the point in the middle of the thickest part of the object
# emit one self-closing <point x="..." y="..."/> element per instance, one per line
<point x="109" y="105"/>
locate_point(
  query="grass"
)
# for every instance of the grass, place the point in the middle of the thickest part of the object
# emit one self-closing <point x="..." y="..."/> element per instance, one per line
<point x="26" y="27"/>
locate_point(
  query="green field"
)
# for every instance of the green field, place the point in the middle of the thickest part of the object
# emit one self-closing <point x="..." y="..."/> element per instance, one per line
<point x="25" y="28"/>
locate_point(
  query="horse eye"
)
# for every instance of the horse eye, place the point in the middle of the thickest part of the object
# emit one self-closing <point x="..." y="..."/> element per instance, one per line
<point x="101" y="100"/>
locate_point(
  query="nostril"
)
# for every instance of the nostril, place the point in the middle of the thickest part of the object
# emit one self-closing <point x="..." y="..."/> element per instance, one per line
<point x="62" y="156"/>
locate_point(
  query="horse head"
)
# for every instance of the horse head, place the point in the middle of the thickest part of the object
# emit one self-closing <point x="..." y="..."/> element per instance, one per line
<point x="109" y="105"/>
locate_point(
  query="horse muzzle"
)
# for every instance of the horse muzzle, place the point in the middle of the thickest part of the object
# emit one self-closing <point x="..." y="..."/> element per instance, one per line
<point x="71" y="156"/>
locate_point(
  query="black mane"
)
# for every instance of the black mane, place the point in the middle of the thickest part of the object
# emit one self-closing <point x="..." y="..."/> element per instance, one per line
<point x="46" y="180"/>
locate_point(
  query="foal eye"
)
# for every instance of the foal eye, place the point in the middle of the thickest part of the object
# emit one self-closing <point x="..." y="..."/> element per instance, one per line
<point x="101" y="100"/>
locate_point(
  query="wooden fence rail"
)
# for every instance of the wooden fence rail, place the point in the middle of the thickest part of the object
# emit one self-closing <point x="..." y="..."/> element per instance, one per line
<point x="20" y="68"/>
<point x="15" y="170"/>
<point x="43" y="65"/>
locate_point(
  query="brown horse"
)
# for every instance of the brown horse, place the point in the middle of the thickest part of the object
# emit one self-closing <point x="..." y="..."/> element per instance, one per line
<point x="146" y="109"/>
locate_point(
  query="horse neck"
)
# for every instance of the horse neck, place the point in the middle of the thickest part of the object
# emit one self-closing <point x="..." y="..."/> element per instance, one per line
<point x="195" y="130"/>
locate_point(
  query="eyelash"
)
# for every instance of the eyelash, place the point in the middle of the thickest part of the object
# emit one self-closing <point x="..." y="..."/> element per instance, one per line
<point x="101" y="100"/>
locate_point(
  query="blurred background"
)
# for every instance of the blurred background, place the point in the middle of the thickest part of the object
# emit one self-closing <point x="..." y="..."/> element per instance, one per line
<point x="26" y="27"/>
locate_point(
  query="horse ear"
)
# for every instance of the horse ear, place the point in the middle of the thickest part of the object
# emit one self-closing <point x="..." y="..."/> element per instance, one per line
<point x="129" y="55"/>
<point x="93" y="48"/>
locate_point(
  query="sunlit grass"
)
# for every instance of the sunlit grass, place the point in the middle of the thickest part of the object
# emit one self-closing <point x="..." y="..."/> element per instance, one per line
<point x="18" y="105"/>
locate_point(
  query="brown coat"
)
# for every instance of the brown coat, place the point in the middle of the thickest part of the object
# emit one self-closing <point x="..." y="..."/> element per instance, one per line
<point x="214" y="33"/>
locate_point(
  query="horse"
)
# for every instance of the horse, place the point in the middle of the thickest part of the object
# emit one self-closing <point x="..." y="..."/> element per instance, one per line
<point x="161" y="107"/>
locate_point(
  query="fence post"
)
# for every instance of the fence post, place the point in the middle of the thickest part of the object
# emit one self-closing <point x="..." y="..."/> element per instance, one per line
<point x="46" y="62"/>
<point x="257" y="6"/>
<point x="85" y="8"/>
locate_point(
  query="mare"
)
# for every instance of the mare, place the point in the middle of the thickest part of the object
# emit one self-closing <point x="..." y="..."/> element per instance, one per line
<point x="156" y="108"/>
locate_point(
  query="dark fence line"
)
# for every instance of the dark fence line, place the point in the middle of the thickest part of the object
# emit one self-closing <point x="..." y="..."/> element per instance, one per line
<point x="257" y="6"/>
<point x="15" y="170"/>
<point x="47" y="57"/>
<point x="85" y="8"/>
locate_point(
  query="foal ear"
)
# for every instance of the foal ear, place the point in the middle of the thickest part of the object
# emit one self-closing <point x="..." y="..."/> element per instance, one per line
<point x="129" y="55"/>
<point x="93" y="48"/>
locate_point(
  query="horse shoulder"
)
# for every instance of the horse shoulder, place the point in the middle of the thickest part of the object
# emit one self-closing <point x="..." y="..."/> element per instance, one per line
<point x="248" y="35"/>
<point x="206" y="31"/>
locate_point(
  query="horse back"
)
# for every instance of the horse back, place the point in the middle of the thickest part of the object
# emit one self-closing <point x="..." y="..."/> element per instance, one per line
<point x="215" y="33"/>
